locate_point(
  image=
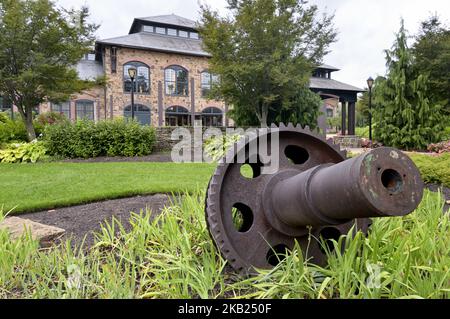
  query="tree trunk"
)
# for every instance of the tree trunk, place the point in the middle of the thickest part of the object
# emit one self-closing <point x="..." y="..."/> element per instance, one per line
<point x="264" y="115"/>
<point x="31" y="133"/>
<point x="27" y="118"/>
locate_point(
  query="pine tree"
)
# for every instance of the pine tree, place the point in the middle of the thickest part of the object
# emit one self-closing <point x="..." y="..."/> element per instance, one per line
<point x="405" y="117"/>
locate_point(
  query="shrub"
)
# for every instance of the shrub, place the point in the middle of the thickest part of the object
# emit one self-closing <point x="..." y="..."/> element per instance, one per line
<point x="48" y="118"/>
<point x="23" y="152"/>
<point x="86" y="139"/>
<point x="11" y="130"/>
<point x="434" y="169"/>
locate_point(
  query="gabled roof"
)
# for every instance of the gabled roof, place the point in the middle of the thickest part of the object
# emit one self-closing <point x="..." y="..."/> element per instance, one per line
<point x="328" y="67"/>
<point x="329" y="84"/>
<point x="171" y="19"/>
<point x="156" y="42"/>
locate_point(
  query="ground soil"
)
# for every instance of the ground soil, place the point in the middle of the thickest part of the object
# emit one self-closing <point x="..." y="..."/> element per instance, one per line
<point x="84" y="220"/>
<point x="153" y="158"/>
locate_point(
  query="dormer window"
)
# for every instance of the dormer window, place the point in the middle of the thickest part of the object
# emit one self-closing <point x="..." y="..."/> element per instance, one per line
<point x="148" y="28"/>
<point x="171" y="31"/>
<point x="160" y="30"/>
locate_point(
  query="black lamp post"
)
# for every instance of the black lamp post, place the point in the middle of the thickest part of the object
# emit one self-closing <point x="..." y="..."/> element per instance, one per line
<point x="370" y="82"/>
<point x="132" y="73"/>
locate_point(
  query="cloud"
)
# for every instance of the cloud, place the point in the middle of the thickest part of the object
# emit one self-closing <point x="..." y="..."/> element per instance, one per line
<point x="366" y="27"/>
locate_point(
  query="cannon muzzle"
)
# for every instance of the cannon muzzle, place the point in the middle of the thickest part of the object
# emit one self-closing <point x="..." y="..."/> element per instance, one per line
<point x="381" y="183"/>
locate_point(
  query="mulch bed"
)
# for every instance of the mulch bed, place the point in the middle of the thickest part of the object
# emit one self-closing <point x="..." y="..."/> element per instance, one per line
<point x="85" y="220"/>
<point x="153" y="158"/>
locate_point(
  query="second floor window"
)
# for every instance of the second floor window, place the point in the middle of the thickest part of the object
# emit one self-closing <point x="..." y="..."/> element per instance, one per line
<point x="142" y="80"/>
<point x="176" y="81"/>
<point x="208" y="80"/>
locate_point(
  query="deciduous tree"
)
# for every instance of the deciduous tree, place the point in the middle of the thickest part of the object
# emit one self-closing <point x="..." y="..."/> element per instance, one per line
<point x="39" y="46"/>
<point x="264" y="53"/>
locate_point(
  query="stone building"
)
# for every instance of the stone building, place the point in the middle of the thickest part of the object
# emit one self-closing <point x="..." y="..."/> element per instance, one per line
<point x="172" y="79"/>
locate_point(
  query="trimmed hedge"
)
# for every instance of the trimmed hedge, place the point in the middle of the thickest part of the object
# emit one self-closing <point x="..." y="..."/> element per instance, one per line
<point x="86" y="139"/>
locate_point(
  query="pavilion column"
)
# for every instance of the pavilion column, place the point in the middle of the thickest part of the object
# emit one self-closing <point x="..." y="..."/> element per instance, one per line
<point x="344" y="118"/>
<point x="352" y="118"/>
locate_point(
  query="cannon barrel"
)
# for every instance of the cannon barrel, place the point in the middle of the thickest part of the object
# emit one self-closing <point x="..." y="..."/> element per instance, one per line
<point x="381" y="183"/>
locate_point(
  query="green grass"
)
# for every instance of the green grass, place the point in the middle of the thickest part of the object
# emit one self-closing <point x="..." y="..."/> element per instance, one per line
<point x="51" y="185"/>
<point x="174" y="257"/>
<point x="29" y="188"/>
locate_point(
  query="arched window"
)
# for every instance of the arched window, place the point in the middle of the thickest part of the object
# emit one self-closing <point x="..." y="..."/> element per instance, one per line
<point x="212" y="116"/>
<point x="85" y="110"/>
<point x="208" y="80"/>
<point x="142" y="80"/>
<point x="176" y="81"/>
<point x="177" y="116"/>
<point x="61" y="108"/>
<point x="142" y="113"/>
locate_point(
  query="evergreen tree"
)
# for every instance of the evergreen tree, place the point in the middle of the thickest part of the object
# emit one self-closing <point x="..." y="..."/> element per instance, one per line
<point x="404" y="115"/>
<point x="432" y="57"/>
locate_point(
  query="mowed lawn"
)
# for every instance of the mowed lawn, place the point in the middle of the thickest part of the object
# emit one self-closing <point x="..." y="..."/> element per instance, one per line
<point x="29" y="188"/>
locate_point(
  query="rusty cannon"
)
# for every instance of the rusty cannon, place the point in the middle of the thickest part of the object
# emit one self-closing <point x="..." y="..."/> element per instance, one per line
<point x="315" y="195"/>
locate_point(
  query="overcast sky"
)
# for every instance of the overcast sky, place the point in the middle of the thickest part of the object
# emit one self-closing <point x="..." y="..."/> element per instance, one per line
<point x="366" y="27"/>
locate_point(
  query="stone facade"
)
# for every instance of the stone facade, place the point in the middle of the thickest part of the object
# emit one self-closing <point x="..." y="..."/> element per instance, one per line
<point x="110" y="101"/>
<point x="347" y="141"/>
<point x="157" y="62"/>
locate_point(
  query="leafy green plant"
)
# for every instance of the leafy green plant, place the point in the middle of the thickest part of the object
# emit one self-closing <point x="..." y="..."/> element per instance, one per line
<point x="86" y="139"/>
<point x="216" y="147"/>
<point x="11" y="130"/>
<point x="23" y="152"/>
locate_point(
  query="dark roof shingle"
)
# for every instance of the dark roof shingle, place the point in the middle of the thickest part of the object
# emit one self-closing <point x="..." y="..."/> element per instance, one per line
<point x="329" y="84"/>
<point x="171" y="19"/>
<point x="153" y="41"/>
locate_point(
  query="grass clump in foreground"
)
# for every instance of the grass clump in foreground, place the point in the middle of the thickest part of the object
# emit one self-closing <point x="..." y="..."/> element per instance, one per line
<point x="173" y="256"/>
